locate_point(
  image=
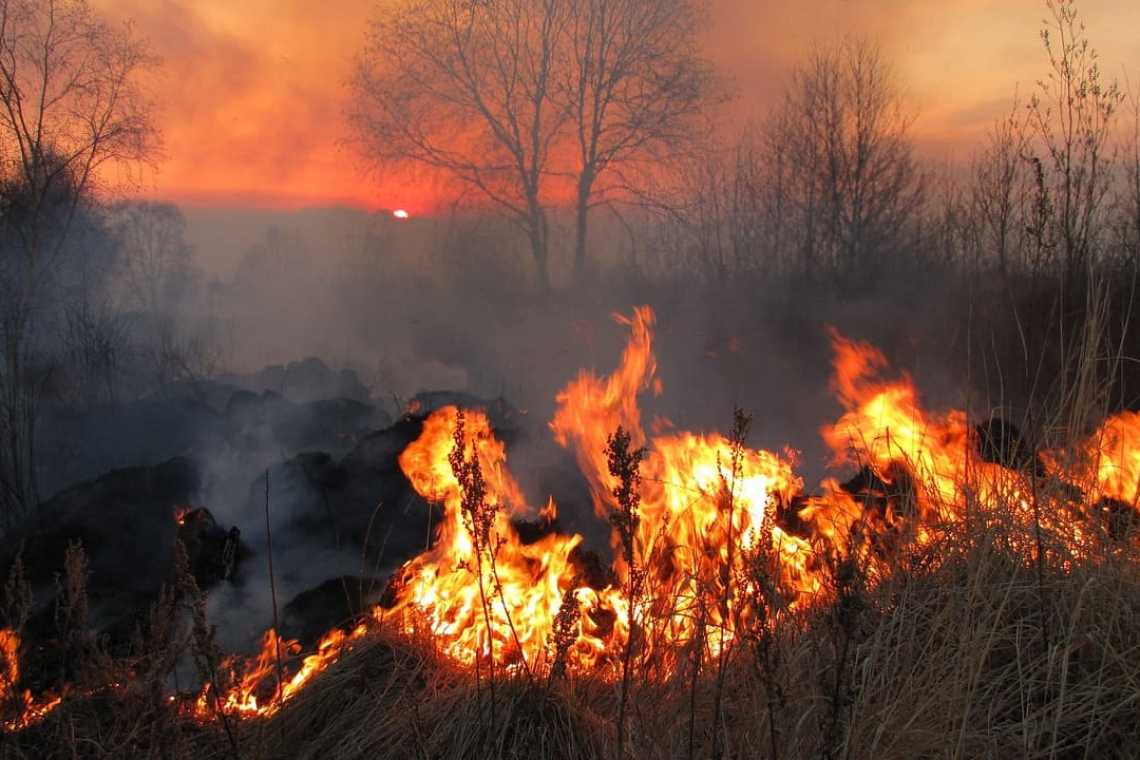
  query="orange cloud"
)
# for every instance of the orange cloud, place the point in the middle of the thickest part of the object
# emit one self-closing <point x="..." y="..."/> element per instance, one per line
<point x="252" y="102"/>
<point x="252" y="93"/>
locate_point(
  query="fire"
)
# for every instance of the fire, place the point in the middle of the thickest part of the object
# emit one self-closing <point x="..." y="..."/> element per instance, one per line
<point x="907" y="449"/>
<point x="884" y="424"/>
<point x="710" y="505"/>
<point x="480" y="596"/>
<point x="705" y="506"/>
<point x="1110" y="459"/>
<point x="257" y="690"/>
<point x="921" y="470"/>
<point x="703" y="498"/>
<point x="932" y="461"/>
<point x="590" y="409"/>
<point x="719" y="525"/>
<point x="25" y="709"/>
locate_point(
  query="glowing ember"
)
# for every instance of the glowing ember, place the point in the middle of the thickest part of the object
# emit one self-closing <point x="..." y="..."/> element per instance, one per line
<point x="25" y="709"/>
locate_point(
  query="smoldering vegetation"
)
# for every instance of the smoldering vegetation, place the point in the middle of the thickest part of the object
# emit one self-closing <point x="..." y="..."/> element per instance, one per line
<point x="226" y="423"/>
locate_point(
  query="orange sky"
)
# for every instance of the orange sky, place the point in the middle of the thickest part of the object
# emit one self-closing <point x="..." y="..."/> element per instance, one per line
<point x="252" y="91"/>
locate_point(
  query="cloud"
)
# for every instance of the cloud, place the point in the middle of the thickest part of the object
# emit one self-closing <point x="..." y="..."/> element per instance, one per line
<point x="253" y="93"/>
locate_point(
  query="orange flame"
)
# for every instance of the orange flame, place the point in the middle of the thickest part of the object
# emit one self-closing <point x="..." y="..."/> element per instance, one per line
<point x="500" y="601"/>
<point x="710" y="509"/>
<point x="699" y="509"/>
<point x="25" y="709"/>
<point x="1110" y="459"/>
<point x="707" y="507"/>
<point x="590" y="409"/>
<point x="256" y="690"/>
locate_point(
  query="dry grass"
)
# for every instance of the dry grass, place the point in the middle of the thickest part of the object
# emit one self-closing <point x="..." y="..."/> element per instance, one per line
<point x="965" y="651"/>
<point x="947" y="663"/>
<point x="388" y="700"/>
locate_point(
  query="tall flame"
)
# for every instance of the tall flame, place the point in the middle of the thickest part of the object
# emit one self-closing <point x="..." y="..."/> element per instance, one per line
<point x="705" y="503"/>
<point x="591" y="408"/>
<point x="500" y="601"/>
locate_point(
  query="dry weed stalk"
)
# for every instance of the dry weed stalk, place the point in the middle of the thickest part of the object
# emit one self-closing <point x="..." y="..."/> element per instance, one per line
<point x="625" y="465"/>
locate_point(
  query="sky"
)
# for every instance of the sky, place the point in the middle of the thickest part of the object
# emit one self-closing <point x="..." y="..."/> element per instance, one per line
<point x="252" y="93"/>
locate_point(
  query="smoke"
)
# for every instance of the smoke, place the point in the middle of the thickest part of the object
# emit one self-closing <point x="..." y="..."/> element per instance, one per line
<point x="448" y="304"/>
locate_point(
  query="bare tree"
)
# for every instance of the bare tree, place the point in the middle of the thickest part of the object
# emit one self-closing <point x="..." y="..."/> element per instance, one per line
<point x="467" y="88"/>
<point x="70" y="105"/>
<point x="1070" y="121"/>
<point x="1129" y="199"/>
<point x="95" y="341"/>
<point x="717" y="227"/>
<point x="155" y="258"/>
<point x="1041" y="184"/>
<point x="856" y="188"/>
<point x="528" y="102"/>
<point x="636" y="90"/>
<point x="998" y="196"/>
<point x="827" y="184"/>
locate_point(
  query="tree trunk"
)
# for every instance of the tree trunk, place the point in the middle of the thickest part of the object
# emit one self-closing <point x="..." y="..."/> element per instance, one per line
<point x="543" y="267"/>
<point x="17" y="460"/>
<point x="540" y="248"/>
<point x="581" y="228"/>
<point x="19" y="408"/>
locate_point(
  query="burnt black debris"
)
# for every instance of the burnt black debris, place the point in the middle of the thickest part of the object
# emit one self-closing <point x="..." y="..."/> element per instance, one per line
<point x="365" y="499"/>
<point x="893" y="490"/>
<point x="213" y="550"/>
<point x="128" y="523"/>
<point x="1001" y="442"/>
<point x="506" y="420"/>
<point x="335" y="602"/>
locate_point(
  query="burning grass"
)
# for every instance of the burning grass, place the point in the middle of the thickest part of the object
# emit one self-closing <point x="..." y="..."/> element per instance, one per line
<point x="970" y="657"/>
<point x="963" y="595"/>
